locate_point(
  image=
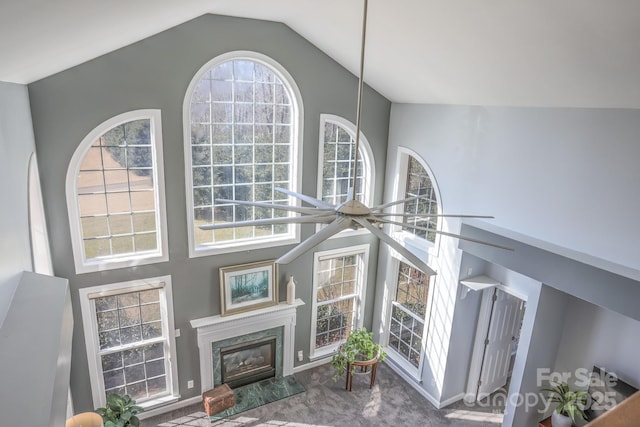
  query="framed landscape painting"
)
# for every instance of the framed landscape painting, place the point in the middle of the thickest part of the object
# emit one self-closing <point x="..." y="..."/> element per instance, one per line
<point x="248" y="287"/>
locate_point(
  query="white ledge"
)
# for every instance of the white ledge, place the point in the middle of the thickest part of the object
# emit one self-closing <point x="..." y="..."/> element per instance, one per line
<point x="203" y="322"/>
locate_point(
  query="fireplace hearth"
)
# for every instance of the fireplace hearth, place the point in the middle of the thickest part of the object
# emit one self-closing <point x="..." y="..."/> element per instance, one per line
<point x="248" y="362"/>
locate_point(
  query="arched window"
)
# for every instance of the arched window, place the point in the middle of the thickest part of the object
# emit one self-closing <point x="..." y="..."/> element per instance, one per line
<point x="418" y="183"/>
<point x="115" y="194"/>
<point x="337" y="155"/>
<point x="242" y="122"/>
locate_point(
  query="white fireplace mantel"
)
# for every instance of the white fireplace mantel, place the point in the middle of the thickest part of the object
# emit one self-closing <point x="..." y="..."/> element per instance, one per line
<point x="217" y="328"/>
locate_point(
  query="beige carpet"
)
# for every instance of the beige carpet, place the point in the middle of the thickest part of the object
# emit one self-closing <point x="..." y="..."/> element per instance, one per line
<point x="391" y="402"/>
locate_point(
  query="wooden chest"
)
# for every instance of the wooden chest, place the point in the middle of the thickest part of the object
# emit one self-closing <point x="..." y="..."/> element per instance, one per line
<point x="217" y="399"/>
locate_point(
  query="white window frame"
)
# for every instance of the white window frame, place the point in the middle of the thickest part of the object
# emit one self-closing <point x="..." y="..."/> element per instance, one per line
<point x="421" y="247"/>
<point x="161" y="254"/>
<point x="363" y="252"/>
<point x="393" y="269"/>
<point x="368" y="163"/>
<point x="293" y="236"/>
<point x="87" y="305"/>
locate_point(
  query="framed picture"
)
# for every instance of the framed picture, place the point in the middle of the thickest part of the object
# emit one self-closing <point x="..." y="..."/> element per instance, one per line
<point x="248" y="287"/>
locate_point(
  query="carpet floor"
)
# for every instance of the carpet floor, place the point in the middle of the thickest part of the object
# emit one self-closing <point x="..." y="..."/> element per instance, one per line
<point x="325" y="403"/>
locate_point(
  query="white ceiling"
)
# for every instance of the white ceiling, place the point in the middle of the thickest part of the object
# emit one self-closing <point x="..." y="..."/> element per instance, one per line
<point x="577" y="53"/>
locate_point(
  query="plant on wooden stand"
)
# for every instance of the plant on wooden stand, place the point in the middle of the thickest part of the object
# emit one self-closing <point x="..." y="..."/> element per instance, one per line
<point x="570" y="404"/>
<point x="359" y="346"/>
<point x="120" y="411"/>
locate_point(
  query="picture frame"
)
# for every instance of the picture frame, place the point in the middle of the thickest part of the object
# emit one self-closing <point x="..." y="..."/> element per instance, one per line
<point x="248" y="287"/>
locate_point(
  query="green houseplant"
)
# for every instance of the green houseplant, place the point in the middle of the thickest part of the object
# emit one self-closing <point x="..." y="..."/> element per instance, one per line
<point x="120" y="411"/>
<point x="359" y="346"/>
<point x="571" y="404"/>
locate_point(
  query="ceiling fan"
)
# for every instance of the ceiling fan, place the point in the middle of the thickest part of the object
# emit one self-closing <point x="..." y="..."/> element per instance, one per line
<point x="350" y="214"/>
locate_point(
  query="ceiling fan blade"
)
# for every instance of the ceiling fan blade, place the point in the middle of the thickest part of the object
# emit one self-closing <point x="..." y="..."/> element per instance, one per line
<point x="316" y="219"/>
<point x="444" y="233"/>
<point x="391" y="242"/>
<point x="289" y="208"/>
<point x="396" y="202"/>
<point x="341" y="223"/>
<point x="311" y="200"/>
<point x="382" y="214"/>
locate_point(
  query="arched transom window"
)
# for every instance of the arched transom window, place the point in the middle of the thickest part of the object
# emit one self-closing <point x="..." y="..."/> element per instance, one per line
<point x="243" y="115"/>
<point x="418" y="183"/>
<point x="337" y="162"/>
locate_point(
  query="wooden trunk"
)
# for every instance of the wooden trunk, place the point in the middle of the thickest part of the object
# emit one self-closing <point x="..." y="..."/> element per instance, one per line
<point x="217" y="399"/>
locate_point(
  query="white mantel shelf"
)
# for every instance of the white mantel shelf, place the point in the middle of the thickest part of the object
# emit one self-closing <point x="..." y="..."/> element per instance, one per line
<point x="217" y="328"/>
<point x="281" y="308"/>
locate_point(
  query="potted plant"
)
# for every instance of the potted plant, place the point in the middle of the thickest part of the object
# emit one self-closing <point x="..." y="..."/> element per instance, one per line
<point x="359" y="346"/>
<point x="120" y="411"/>
<point x="570" y="404"/>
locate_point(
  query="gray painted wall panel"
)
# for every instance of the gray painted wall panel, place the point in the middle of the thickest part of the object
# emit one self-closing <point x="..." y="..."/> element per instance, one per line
<point x="155" y="73"/>
<point x="16" y="145"/>
<point x="564" y="176"/>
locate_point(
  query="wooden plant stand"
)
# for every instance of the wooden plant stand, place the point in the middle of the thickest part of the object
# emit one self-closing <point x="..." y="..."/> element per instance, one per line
<point x="364" y="369"/>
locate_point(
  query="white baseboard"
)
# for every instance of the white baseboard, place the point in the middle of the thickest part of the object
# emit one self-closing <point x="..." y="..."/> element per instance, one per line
<point x="171" y="407"/>
<point x="312" y="364"/>
<point x="409" y="379"/>
<point x="451" y="400"/>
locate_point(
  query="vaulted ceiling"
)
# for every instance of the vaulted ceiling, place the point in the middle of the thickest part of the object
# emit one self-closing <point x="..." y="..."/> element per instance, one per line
<point x="553" y="53"/>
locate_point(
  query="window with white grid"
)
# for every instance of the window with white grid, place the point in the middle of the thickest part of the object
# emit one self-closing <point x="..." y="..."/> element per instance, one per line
<point x="241" y="144"/>
<point x="408" y="310"/>
<point x="418" y="183"/>
<point x="115" y="194"/>
<point x="338" y="158"/>
<point x="338" y="296"/>
<point x="130" y="345"/>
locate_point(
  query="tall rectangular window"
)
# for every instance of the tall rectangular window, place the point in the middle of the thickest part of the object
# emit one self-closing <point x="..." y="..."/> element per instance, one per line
<point x="338" y="296"/>
<point x="408" y="310"/>
<point x="130" y="344"/>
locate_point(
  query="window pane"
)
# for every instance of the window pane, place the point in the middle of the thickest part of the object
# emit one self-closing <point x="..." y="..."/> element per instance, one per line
<point x="408" y="313"/>
<point x="251" y="111"/>
<point x="339" y="160"/>
<point x="121" y="160"/>
<point x="338" y="298"/>
<point x="419" y="185"/>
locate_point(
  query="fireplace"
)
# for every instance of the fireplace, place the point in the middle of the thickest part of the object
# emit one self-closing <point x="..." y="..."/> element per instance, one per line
<point x="248" y="362"/>
<point x="231" y="333"/>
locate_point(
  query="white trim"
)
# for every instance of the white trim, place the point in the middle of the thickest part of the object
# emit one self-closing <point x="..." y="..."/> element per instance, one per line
<point x="361" y="251"/>
<point x="413" y="383"/>
<point x="83" y="265"/>
<point x="369" y="172"/>
<point x="148" y="413"/>
<point x="293" y="237"/>
<point x="313" y="364"/>
<point x="91" y="334"/>
<point x="451" y="400"/>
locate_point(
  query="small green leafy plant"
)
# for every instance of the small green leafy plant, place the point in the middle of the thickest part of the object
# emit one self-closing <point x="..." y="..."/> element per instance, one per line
<point x="120" y="411"/>
<point x="359" y="346"/>
<point x="570" y="403"/>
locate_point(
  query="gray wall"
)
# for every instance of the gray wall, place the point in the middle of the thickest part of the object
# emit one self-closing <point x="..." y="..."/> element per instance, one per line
<point x="562" y="185"/>
<point x="155" y="73"/>
<point x="16" y="146"/>
<point x="588" y="340"/>
<point x="565" y="176"/>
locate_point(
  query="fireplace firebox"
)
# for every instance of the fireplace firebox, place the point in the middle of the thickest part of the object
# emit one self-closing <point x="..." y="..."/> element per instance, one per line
<point x="248" y="362"/>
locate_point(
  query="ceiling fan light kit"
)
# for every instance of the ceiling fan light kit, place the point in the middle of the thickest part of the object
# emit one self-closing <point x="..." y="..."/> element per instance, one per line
<point x="350" y="214"/>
